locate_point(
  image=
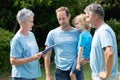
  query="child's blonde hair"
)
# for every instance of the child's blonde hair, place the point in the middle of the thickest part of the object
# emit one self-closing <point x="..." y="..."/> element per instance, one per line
<point x="82" y="19"/>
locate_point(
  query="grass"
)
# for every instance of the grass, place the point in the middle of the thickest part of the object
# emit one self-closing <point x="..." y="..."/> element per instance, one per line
<point x="43" y="72"/>
<point x="86" y="69"/>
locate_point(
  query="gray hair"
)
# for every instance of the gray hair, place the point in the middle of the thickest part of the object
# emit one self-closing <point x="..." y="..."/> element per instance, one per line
<point x="23" y="14"/>
<point x="95" y="9"/>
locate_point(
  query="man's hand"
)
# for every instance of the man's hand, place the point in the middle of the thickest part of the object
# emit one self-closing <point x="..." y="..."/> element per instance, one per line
<point x="49" y="77"/>
<point x="103" y="75"/>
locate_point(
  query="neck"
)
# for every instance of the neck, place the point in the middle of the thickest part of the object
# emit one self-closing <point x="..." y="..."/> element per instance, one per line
<point x="83" y="29"/>
<point x="23" y="31"/>
<point x="99" y="23"/>
<point x="67" y="28"/>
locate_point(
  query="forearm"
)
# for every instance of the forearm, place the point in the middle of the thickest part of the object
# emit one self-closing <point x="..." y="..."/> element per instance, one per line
<point x="20" y="61"/>
<point x="47" y="62"/>
<point x="109" y="57"/>
<point x="79" y="55"/>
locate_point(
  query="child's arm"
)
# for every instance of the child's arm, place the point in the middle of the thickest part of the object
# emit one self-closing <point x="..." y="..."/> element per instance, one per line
<point x="79" y="58"/>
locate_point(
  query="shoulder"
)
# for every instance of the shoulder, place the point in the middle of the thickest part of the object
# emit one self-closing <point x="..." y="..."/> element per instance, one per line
<point x="54" y="30"/>
<point x="17" y="36"/>
<point x="86" y="33"/>
<point x="106" y="29"/>
<point x="31" y="33"/>
<point x="16" y="39"/>
<point x="74" y="29"/>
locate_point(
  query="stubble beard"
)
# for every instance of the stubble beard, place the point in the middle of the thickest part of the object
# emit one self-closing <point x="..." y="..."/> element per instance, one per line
<point x="64" y="25"/>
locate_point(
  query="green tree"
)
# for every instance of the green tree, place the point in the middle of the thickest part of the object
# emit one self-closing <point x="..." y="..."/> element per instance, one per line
<point x="45" y="17"/>
<point x="5" y="50"/>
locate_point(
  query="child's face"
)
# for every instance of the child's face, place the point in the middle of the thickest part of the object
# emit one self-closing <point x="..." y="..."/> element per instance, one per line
<point x="78" y="25"/>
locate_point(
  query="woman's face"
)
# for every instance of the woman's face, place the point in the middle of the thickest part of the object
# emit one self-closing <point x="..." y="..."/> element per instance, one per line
<point x="28" y="25"/>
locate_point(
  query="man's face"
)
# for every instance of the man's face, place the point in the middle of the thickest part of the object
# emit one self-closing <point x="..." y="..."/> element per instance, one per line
<point x="90" y="18"/>
<point x="63" y="19"/>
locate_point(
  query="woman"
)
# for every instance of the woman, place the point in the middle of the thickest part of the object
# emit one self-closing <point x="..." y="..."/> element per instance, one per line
<point x="24" y="55"/>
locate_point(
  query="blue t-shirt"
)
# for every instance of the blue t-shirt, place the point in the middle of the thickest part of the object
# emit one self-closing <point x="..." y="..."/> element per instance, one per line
<point x="66" y="48"/>
<point x="103" y="37"/>
<point x="22" y="47"/>
<point x="85" y="40"/>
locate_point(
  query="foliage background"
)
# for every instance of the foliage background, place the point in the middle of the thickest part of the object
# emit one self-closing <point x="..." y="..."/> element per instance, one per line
<point x="45" y="18"/>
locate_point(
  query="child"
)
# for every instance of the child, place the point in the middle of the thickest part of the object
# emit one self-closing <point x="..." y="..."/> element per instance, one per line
<point x="84" y="43"/>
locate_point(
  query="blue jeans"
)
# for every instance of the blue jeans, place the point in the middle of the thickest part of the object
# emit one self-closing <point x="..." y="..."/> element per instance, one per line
<point x="61" y="75"/>
<point x="65" y="75"/>
<point x="16" y="78"/>
<point x="73" y="69"/>
<point x="79" y="74"/>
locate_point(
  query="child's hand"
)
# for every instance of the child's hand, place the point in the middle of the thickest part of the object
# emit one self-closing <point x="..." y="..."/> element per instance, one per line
<point x="78" y="67"/>
<point x="83" y="61"/>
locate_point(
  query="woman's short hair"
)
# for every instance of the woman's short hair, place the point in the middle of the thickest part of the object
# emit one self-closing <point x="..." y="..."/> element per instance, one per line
<point x="23" y="14"/>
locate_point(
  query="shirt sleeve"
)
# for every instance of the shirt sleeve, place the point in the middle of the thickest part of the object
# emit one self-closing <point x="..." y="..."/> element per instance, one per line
<point x="49" y="40"/>
<point x="82" y="40"/>
<point x="106" y="39"/>
<point x="16" y="49"/>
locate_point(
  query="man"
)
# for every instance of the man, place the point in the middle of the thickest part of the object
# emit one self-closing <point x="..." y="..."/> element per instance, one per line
<point x="104" y="55"/>
<point x="65" y="36"/>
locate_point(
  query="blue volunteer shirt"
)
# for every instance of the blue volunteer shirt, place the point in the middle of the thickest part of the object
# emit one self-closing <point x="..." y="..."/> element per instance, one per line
<point x="22" y="47"/>
<point x="66" y="49"/>
<point x="103" y="37"/>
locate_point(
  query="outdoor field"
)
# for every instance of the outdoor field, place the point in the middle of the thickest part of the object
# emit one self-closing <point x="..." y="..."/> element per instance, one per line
<point x="86" y="69"/>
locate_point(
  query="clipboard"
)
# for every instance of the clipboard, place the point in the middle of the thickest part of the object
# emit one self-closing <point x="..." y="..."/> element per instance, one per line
<point x="49" y="48"/>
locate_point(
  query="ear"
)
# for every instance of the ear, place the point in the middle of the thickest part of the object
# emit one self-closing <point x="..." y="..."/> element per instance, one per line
<point x="21" y="23"/>
<point x="69" y="16"/>
<point x="96" y="16"/>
